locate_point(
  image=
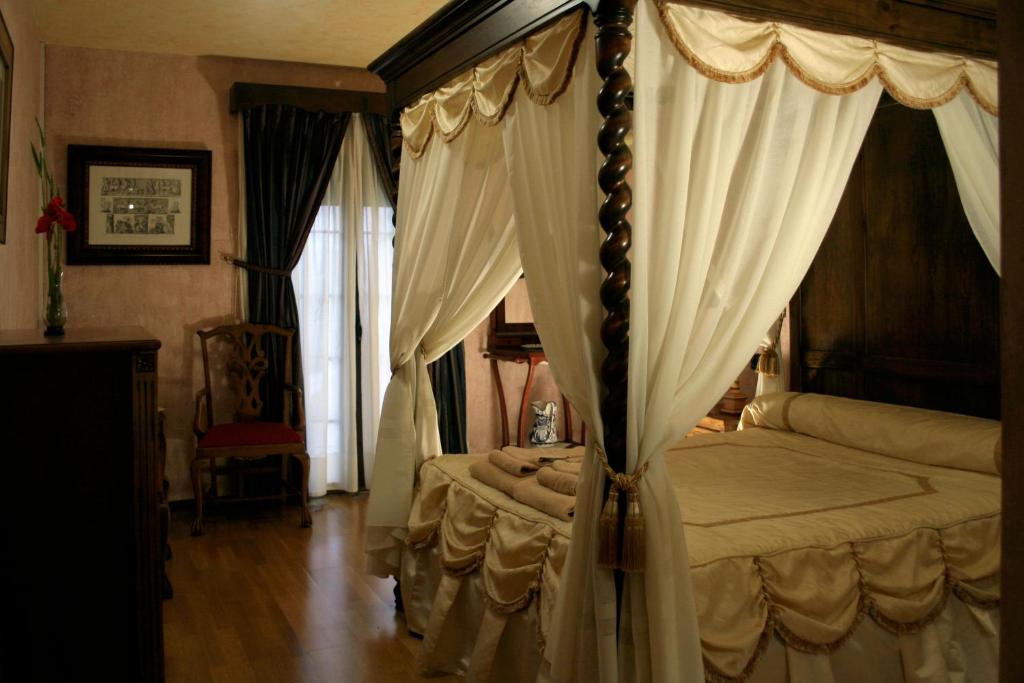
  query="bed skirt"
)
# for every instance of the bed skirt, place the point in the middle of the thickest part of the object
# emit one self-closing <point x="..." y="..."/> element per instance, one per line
<point x="463" y="635"/>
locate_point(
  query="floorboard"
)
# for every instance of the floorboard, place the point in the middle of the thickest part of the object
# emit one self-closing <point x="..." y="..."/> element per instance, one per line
<point x="258" y="599"/>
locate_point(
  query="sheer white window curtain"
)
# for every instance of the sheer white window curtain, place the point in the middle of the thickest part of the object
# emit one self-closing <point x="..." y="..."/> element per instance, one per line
<point x="348" y="251"/>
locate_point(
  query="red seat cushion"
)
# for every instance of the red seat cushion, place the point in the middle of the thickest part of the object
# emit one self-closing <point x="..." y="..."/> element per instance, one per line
<point x="249" y="434"/>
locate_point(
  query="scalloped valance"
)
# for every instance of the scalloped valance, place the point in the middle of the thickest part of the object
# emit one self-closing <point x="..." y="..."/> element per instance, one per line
<point x="725" y="48"/>
<point x="543" y="62"/>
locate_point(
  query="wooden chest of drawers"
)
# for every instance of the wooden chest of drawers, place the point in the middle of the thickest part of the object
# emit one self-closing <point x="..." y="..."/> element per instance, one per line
<point x="81" y="564"/>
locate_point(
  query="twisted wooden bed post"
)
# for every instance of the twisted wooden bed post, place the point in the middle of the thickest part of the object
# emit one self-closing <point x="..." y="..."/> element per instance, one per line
<point x="614" y="42"/>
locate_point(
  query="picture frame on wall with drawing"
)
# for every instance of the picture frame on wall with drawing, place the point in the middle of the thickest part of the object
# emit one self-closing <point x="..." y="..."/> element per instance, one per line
<point x="139" y="205"/>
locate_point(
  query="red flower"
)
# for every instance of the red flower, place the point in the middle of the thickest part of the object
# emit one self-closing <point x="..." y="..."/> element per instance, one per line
<point x="56" y="213"/>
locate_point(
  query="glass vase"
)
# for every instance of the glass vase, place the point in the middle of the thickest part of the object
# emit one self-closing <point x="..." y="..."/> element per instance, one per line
<point x="55" y="315"/>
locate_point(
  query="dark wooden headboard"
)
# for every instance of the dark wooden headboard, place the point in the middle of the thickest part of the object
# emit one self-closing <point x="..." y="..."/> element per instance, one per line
<point x="900" y="304"/>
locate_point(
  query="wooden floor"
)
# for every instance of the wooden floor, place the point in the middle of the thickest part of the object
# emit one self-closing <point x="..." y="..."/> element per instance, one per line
<point x="259" y="599"/>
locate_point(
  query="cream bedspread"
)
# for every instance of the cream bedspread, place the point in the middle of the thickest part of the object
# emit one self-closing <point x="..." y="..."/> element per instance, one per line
<point x="789" y="536"/>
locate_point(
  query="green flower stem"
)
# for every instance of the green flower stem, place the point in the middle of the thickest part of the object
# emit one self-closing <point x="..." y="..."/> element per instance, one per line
<point x="55" y="294"/>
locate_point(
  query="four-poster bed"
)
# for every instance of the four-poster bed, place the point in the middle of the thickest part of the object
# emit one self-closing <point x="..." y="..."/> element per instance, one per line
<point x="621" y="446"/>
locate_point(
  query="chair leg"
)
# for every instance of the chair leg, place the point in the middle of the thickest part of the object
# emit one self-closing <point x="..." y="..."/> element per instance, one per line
<point x="284" y="478"/>
<point x="306" y="520"/>
<point x="197" y="491"/>
<point x="213" y="479"/>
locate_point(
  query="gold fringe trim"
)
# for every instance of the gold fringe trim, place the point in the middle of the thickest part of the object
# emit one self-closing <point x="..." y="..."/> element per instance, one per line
<point x="964" y="595"/>
<point x="474" y="564"/>
<point x="541" y="640"/>
<point x="521" y="77"/>
<point x="429" y="541"/>
<point x="866" y="607"/>
<point x="574" y="52"/>
<point x="778" y="50"/>
<point x="516" y="605"/>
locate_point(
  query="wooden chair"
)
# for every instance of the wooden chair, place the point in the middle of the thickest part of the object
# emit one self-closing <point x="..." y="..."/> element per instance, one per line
<point x="248" y="436"/>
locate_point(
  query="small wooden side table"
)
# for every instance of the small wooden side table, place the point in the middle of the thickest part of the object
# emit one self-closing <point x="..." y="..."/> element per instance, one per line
<point x="716" y="422"/>
<point x="532" y="357"/>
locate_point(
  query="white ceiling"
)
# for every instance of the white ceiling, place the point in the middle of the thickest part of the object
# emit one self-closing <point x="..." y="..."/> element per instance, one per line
<point x="338" y="32"/>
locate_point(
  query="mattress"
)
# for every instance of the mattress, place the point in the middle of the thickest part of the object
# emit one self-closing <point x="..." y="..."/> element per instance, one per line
<point x="792" y="536"/>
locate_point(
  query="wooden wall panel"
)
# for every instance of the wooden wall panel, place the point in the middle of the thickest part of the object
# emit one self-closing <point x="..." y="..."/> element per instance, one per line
<point x="1011" y="176"/>
<point x="900" y="304"/>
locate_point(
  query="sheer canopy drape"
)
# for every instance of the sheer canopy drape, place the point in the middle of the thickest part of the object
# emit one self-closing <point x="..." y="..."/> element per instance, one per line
<point x="455" y="258"/>
<point x="962" y="91"/>
<point x="724" y="231"/>
<point x="971" y="137"/>
<point x="553" y="162"/>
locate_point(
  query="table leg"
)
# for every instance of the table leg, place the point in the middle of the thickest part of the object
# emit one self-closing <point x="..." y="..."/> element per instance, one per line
<point x="567" y="419"/>
<point x="525" y="404"/>
<point x="501" y="403"/>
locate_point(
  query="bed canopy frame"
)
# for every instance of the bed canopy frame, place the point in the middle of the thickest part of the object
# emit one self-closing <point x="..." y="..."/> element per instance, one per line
<point x="465" y="32"/>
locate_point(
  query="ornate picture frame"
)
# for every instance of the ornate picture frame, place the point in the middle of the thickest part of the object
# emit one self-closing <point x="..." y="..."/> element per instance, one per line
<point x="137" y="205"/>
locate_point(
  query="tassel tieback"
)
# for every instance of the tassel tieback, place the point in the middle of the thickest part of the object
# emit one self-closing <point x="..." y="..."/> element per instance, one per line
<point x="634" y="548"/>
<point x="768" y="362"/>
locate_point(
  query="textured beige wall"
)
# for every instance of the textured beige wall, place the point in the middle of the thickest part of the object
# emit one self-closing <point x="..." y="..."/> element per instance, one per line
<point x="105" y="97"/>
<point x="483" y="420"/>
<point x="18" y="273"/>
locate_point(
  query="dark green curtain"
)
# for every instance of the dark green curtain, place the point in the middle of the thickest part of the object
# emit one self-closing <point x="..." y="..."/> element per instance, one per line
<point x="448" y="378"/>
<point x="378" y="132"/>
<point x="289" y="156"/>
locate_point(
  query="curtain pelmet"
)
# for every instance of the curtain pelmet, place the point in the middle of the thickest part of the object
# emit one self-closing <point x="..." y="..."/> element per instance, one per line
<point x="378" y="136"/>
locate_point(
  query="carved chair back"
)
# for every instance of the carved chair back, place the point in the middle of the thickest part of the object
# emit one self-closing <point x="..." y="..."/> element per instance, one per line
<point x="246" y="363"/>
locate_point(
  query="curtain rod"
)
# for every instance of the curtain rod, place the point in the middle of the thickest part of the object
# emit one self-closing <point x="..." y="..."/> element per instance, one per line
<point x="248" y="95"/>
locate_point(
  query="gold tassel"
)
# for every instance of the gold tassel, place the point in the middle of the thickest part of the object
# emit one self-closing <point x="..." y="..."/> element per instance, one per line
<point x="608" y="531"/>
<point x="634" y="547"/>
<point x="768" y="363"/>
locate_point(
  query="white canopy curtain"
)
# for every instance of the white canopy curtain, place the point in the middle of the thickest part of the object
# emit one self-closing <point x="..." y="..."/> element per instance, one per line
<point x="971" y="137"/>
<point x="553" y="161"/>
<point x="456" y="257"/>
<point x="456" y="253"/>
<point x="725" y="228"/>
<point x="352" y="232"/>
<point x="961" y="91"/>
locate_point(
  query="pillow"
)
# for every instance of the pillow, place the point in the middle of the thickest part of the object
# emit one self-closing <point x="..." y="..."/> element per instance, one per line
<point x="925" y="436"/>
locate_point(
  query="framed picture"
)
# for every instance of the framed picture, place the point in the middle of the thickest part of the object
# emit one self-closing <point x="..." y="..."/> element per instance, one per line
<point x="6" y="79"/>
<point x="138" y="205"/>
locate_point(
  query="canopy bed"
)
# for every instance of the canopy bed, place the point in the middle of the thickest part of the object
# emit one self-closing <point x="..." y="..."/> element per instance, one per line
<point x="846" y="571"/>
<point x="496" y="169"/>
